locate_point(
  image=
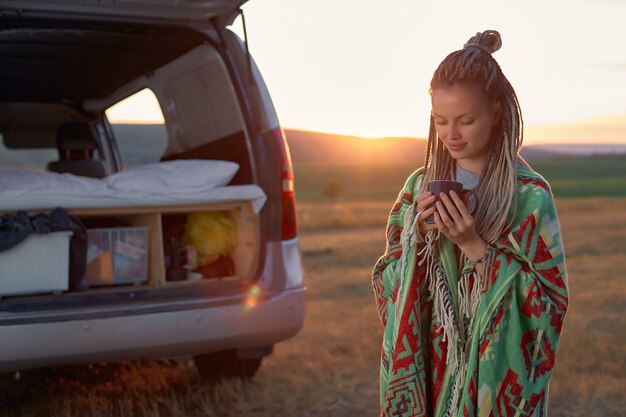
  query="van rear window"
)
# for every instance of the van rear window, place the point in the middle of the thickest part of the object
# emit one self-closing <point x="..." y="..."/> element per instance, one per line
<point x="137" y="123"/>
<point x="140" y="144"/>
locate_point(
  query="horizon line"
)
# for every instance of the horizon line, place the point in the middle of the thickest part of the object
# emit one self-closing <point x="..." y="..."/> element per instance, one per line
<point x="576" y="132"/>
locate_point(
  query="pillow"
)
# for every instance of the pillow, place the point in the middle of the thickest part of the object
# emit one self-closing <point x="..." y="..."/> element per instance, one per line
<point x="180" y="175"/>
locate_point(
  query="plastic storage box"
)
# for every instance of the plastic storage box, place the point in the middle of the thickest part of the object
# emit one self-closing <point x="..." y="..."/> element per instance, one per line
<point x="116" y="256"/>
<point x="39" y="264"/>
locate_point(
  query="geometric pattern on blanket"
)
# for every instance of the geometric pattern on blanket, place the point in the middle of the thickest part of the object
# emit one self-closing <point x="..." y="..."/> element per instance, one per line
<point x="441" y="358"/>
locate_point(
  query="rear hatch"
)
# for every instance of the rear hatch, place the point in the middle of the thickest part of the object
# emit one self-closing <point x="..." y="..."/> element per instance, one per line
<point x="191" y="12"/>
<point x="37" y="40"/>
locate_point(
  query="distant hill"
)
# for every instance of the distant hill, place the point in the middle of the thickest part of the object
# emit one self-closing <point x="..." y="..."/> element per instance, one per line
<point x="142" y="144"/>
<point x="325" y="148"/>
<point x="146" y="143"/>
<point x="315" y="147"/>
<point x="583" y="149"/>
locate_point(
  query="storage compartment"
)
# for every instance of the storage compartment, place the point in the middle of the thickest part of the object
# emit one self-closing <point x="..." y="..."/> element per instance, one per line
<point x="117" y="256"/>
<point x="210" y="244"/>
<point x="160" y="231"/>
<point x="39" y="264"/>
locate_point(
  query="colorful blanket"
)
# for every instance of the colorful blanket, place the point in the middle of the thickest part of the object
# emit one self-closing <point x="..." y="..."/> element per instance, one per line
<point x="460" y="344"/>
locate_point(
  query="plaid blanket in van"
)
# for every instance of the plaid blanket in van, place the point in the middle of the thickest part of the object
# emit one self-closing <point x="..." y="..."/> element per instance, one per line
<point x="456" y="343"/>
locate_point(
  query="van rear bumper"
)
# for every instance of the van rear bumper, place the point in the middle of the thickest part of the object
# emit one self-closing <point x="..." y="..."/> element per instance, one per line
<point x="161" y="334"/>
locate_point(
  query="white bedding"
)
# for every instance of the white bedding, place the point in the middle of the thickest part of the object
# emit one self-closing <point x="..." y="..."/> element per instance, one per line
<point x="165" y="183"/>
<point x="189" y="175"/>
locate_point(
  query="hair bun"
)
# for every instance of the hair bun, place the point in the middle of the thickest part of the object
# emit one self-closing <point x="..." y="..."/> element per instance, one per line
<point x="489" y="40"/>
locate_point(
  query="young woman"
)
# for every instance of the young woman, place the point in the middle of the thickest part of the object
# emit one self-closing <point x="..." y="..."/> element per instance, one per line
<point x="472" y="306"/>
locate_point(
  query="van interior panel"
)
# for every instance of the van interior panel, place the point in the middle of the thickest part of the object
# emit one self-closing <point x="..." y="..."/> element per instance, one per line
<point x="44" y="62"/>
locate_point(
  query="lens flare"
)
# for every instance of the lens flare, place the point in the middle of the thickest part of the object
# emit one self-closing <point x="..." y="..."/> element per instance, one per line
<point x="253" y="296"/>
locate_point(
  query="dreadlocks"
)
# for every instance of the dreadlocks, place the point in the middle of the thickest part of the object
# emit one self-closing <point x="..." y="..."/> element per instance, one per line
<point x="496" y="191"/>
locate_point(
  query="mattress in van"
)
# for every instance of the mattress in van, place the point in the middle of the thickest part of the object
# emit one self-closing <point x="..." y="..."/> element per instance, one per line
<point x="165" y="183"/>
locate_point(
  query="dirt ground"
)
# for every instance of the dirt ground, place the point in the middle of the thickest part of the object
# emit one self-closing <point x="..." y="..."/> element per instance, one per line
<point x="331" y="367"/>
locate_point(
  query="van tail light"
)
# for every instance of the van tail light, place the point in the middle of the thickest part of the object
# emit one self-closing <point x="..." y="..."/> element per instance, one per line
<point x="287" y="192"/>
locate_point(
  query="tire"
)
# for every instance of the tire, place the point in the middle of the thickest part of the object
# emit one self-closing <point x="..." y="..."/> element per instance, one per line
<point x="225" y="365"/>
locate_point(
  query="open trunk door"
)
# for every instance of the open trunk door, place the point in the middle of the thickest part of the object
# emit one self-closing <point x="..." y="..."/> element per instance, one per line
<point x="185" y="12"/>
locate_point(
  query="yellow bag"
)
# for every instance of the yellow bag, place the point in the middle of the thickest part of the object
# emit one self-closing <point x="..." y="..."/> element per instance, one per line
<point x="212" y="234"/>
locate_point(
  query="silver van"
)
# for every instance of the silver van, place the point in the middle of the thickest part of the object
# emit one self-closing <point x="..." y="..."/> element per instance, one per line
<point x="63" y="64"/>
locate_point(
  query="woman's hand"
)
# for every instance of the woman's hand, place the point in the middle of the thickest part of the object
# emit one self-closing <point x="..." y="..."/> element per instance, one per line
<point x="422" y="201"/>
<point x="459" y="225"/>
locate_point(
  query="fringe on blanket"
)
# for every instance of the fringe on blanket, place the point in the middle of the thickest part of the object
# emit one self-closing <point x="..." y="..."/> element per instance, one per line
<point x="454" y="332"/>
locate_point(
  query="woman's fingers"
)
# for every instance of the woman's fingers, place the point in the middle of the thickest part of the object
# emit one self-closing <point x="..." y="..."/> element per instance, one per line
<point x="426" y="213"/>
<point x="443" y="216"/>
<point x="461" y="206"/>
<point x="428" y="227"/>
<point x="421" y="219"/>
<point x="423" y="196"/>
<point x="427" y="202"/>
<point x="424" y="200"/>
<point x="440" y="223"/>
<point x="449" y="211"/>
<point x="453" y="209"/>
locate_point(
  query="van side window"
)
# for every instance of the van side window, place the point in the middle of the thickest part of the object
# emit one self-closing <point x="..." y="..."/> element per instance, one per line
<point x="138" y="126"/>
<point x="33" y="159"/>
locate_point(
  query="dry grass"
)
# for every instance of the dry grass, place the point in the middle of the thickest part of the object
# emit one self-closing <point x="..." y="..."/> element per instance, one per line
<point x="590" y="377"/>
<point x="331" y="367"/>
<point x="317" y="216"/>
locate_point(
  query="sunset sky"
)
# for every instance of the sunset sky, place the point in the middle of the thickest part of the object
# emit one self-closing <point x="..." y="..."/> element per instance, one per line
<point x="362" y="67"/>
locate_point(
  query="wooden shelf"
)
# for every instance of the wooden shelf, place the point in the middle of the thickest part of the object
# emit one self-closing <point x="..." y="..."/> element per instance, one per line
<point x="245" y="255"/>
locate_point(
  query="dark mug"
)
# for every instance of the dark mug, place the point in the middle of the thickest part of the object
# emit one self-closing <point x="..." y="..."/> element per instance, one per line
<point x="469" y="197"/>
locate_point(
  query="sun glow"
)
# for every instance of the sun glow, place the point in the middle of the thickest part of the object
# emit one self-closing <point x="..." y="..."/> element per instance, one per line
<point x="367" y="73"/>
<point x="140" y="108"/>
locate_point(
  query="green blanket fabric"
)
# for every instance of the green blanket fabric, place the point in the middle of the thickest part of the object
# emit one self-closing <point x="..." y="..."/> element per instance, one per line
<point x="460" y="344"/>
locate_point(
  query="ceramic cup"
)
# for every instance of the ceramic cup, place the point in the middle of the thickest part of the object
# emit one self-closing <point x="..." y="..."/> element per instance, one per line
<point x="469" y="197"/>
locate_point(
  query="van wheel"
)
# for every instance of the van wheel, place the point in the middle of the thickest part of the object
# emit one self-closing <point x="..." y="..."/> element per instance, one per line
<point x="225" y="365"/>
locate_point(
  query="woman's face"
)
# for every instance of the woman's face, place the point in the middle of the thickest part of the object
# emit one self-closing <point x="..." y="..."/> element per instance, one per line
<point x="463" y="120"/>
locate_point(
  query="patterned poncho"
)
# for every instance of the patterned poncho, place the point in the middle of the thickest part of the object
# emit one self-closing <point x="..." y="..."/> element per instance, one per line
<point x="459" y="344"/>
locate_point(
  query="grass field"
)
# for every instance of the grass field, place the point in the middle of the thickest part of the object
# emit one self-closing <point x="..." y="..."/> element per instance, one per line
<point x="331" y="367"/>
<point x="602" y="176"/>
